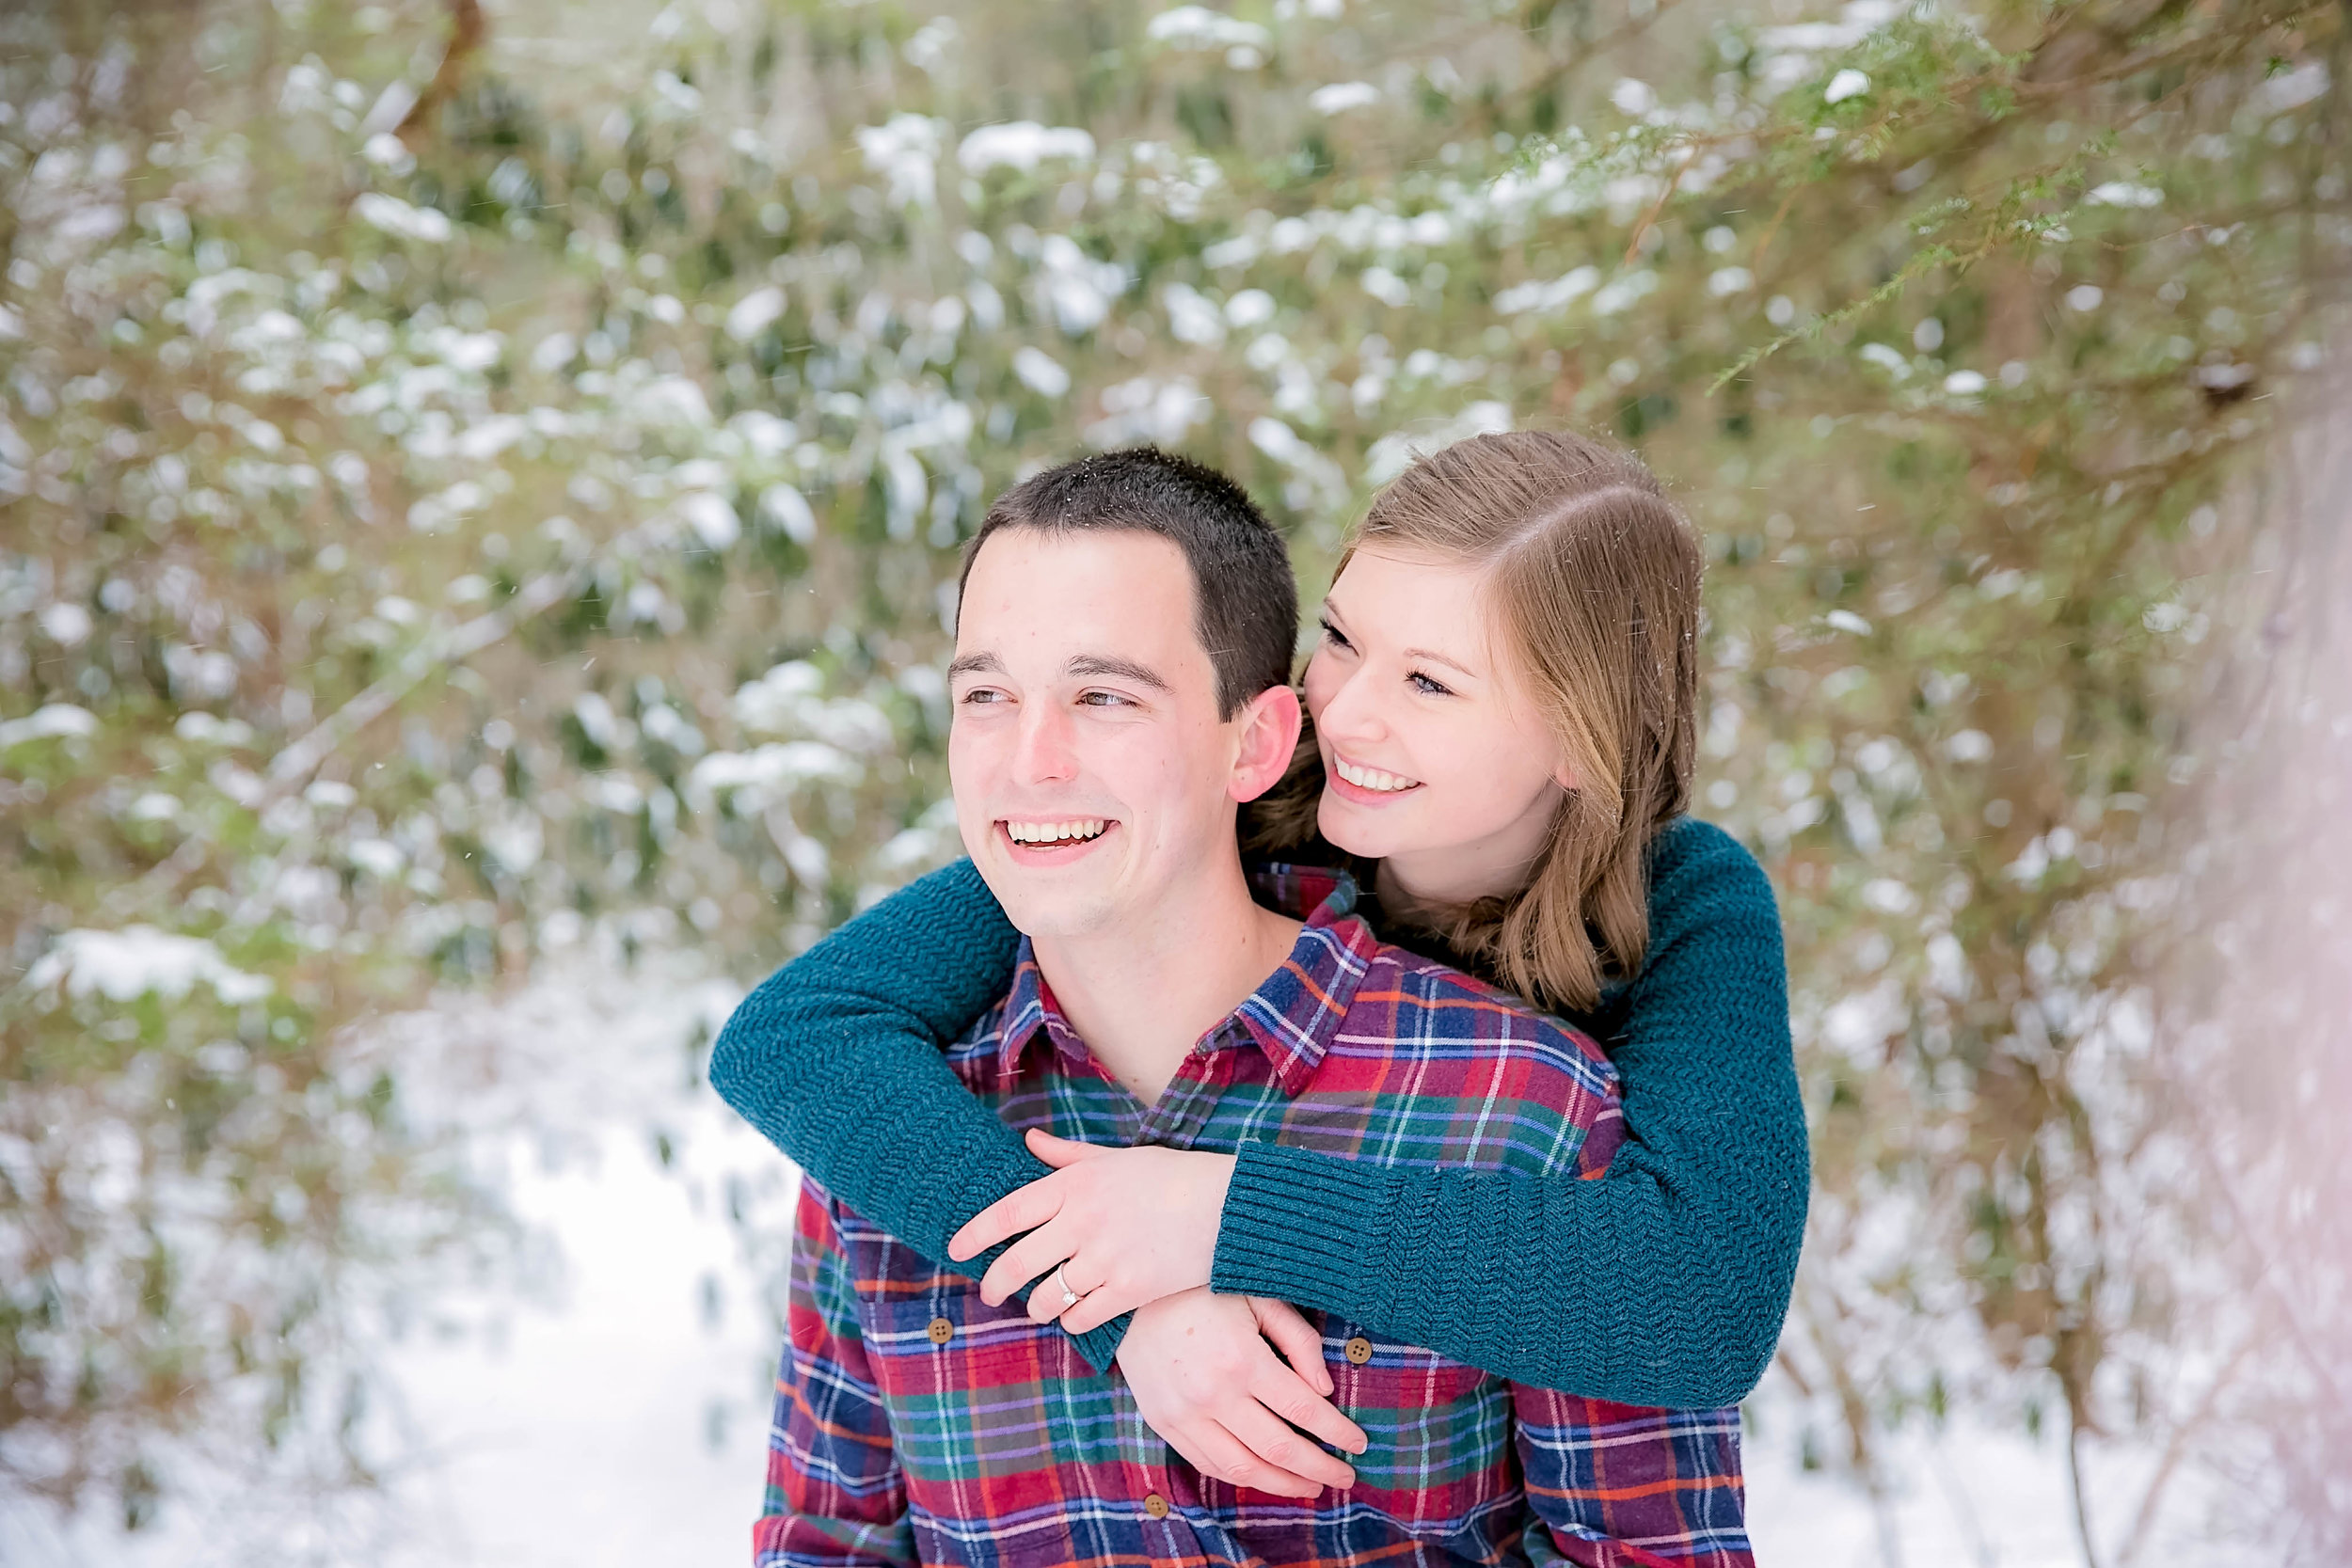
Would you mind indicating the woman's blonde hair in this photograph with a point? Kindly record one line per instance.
(1594, 577)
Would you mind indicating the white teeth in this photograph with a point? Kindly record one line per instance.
(1056, 833)
(1371, 778)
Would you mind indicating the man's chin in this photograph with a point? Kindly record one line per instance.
(1048, 901)
(1044, 914)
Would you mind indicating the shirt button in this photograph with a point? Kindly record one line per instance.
(1359, 1351)
(1156, 1505)
(940, 1331)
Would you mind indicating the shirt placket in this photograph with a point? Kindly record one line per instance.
(1183, 1108)
(1104, 1113)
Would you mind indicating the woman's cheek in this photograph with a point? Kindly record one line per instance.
(1467, 775)
(1318, 686)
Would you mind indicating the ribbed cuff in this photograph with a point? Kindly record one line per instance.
(1296, 1225)
(1100, 1344)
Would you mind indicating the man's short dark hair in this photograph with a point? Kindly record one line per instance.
(1245, 600)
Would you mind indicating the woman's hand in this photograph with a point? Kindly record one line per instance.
(1206, 1381)
(1127, 1225)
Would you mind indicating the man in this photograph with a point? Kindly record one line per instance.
(1121, 685)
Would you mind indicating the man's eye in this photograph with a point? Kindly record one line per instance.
(1428, 688)
(980, 694)
(1104, 699)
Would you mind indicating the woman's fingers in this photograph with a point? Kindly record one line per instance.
(1059, 1152)
(1009, 1216)
(1300, 1341)
(1279, 1390)
(1279, 1448)
(1096, 1305)
(1024, 1261)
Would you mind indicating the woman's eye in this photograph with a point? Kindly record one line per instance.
(1333, 636)
(1428, 688)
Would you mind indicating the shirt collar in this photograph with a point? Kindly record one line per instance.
(1289, 1017)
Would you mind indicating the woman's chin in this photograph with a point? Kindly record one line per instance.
(1342, 826)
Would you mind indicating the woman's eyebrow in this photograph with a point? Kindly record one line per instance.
(1436, 657)
(1331, 612)
(1117, 669)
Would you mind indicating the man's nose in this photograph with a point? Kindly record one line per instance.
(1046, 751)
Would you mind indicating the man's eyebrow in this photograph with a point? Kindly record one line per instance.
(1120, 668)
(976, 664)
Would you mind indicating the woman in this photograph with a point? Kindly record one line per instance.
(1502, 745)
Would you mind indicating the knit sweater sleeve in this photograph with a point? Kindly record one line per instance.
(1665, 1282)
(836, 1057)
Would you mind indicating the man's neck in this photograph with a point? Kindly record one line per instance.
(1142, 997)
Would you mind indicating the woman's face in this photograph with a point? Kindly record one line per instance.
(1436, 762)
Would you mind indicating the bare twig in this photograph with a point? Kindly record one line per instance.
(1640, 230)
(296, 763)
(466, 29)
(2144, 1522)
(2075, 1479)
(293, 766)
(1964, 1511)
(1855, 1408)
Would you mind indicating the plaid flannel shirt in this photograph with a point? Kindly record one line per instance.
(915, 1422)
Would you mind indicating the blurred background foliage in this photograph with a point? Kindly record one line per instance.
(484, 483)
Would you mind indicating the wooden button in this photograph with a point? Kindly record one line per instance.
(940, 1331)
(1156, 1505)
(1359, 1350)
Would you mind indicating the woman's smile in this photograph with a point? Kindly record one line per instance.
(1374, 783)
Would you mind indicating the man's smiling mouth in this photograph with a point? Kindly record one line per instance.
(1054, 834)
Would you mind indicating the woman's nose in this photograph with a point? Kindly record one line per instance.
(1352, 712)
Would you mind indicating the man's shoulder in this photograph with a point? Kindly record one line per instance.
(1422, 1004)
(973, 1053)
(1417, 979)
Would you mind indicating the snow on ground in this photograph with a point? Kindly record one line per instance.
(622, 1418)
(622, 1426)
(611, 1409)
(1967, 1497)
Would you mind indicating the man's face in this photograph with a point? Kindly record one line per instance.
(1091, 772)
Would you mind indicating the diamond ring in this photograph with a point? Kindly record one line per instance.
(1068, 1296)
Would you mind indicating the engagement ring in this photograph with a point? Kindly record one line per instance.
(1068, 1296)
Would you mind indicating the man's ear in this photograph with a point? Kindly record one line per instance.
(1269, 735)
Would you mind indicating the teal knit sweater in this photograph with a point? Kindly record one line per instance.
(1662, 1284)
